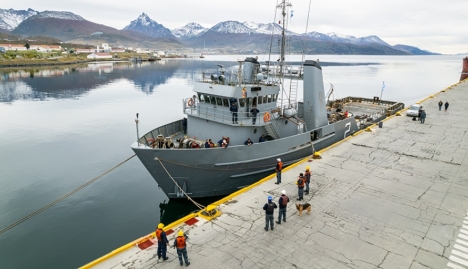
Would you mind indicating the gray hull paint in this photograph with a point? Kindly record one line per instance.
(219, 171)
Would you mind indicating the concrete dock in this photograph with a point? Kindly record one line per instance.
(395, 197)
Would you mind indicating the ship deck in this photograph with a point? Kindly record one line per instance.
(395, 197)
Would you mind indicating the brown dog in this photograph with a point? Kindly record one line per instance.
(305, 206)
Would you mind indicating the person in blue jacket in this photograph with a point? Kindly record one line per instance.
(262, 138)
(162, 242)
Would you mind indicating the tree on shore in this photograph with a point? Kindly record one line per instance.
(27, 46)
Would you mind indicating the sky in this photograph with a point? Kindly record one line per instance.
(434, 25)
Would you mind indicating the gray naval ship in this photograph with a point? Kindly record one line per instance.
(224, 108)
(182, 165)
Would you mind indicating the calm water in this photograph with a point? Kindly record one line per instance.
(61, 127)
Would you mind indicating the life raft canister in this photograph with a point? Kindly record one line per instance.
(266, 117)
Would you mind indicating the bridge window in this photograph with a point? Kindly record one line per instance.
(219, 101)
(213, 100)
(201, 97)
(269, 98)
(275, 96)
(265, 99)
(242, 102)
(207, 99)
(260, 100)
(254, 101)
(226, 102)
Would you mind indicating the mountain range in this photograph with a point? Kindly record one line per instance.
(225, 37)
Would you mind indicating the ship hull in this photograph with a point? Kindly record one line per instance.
(222, 171)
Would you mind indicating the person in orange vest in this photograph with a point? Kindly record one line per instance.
(307, 179)
(300, 186)
(181, 244)
(162, 242)
(279, 167)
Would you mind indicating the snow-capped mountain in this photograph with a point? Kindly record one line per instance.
(232, 27)
(353, 40)
(147, 26)
(10, 18)
(63, 15)
(266, 28)
(192, 29)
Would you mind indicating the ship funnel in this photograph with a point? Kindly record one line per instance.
(250, 70)
(315, 110)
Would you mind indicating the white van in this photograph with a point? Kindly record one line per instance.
(413, 111)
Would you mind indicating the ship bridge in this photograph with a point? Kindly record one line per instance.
(244, 88)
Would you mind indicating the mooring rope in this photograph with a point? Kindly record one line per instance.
(61, 198)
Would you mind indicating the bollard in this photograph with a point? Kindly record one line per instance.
(380, 124)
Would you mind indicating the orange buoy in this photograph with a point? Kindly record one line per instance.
(266, 117)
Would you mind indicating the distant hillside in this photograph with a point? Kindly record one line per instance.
(224, 37)
(72, 28)
(413, 50)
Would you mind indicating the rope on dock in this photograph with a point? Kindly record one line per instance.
(62, 198)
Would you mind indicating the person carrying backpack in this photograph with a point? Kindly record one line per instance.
(283, 204)
(269, 210)
(300, 186)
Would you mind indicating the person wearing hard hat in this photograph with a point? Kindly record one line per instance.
(307, 179)
(283, 204)
(300, 186)
(269, 210)
(279, 167)
(181, 244)
(162, 242)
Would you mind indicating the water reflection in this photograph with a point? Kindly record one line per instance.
(75, 81)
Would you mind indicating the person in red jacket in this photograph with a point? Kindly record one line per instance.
(283, 204)
(300, 186)
(181, 244)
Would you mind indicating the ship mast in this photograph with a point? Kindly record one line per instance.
(283, 6)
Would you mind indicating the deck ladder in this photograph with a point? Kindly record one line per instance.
(293, 93)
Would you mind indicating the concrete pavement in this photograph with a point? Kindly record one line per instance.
(396, 197)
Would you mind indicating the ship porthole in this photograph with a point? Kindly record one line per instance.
(255, 130)
(286, 122)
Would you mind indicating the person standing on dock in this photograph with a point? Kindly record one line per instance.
(181, 244)
(300, 186)
(162, 242)
(307, 179)
(440, 105)
(234, 110)
(283, 204)
(279, 167)
(269, 210)
(423, 116)
(446, 105)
